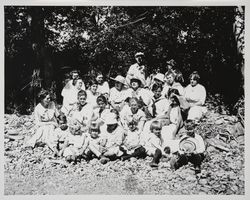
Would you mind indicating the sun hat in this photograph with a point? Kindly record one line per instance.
(137, 78)
(139, 54)
(160, 77)
(188, 144)
(119, 79)
(111, 119)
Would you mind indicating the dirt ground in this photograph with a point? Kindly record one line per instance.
(36, 172)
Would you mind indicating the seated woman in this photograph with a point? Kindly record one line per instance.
(136, 90)
(103, 86)
(195, 94)
(117, 93)
(70, 96)
(45, 120)
(92, 93)
(170, 130)
(82, 111)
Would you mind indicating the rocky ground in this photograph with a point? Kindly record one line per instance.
(37, 172)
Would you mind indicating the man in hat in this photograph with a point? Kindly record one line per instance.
(138, 69)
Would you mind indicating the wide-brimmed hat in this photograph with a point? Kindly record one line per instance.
(111, 119)
(139, 54)
(119, 79)
(188, 144)
(160, 77)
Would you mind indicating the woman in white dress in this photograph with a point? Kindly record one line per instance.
(45, 120)
(103, 86)
(118, 93)
(92, 93)
(195, 95)
(70, 96)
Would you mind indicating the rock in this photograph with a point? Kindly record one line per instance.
(241, 139)
(203, 182)
(191, 178)
(219, 121)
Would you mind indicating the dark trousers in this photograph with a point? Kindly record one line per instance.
(140, 152)
(195, 159)
(157, 156)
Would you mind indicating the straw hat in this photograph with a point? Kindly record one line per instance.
(160, 77)
(119, 79)
(142, 80)
(188, 144)
(139, 54)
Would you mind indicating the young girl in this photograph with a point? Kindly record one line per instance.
(170, 130)
(76, 143)
(154, 143)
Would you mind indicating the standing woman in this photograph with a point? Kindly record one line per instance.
(92, 93)
(45, 120)
(195, 95)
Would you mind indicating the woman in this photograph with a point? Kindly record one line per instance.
(82, 111)
(117, 93)
(92, 93)
(103, 86)
(70, 97)
(45, 120)
(195, 94)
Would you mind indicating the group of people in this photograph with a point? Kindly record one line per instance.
(140, 116)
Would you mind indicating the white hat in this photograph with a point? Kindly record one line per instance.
(119, 79)
(160, 77)
(139, 54)
(111, 119)
(188, 144)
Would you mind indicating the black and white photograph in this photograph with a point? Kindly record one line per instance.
(124, 100)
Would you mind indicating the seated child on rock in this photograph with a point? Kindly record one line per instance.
(111, 139)
(76, 143)
(191, 149)
(131, 146)
(154, 143)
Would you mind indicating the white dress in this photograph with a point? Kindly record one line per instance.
(103, 89)
(45, 119)
(91, 98)
(69, 100)
(197, 94)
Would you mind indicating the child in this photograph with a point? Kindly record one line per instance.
(76, 143)
(131, 145)
(111, 139)
(61, 133)
(191, 149)
(154, 142)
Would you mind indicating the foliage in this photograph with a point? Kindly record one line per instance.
(105, 39)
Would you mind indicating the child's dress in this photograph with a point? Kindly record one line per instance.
(151, 142)
(131, 141)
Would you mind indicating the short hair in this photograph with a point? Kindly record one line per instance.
(195, 76)
(136, 80)
(101, 98)
(81, 93)
(155, 125)
(167, 150)
(99, 73)
(42, 94)
(62, 117)
(156, 87)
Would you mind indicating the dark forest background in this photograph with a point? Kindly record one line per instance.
(44, 43)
